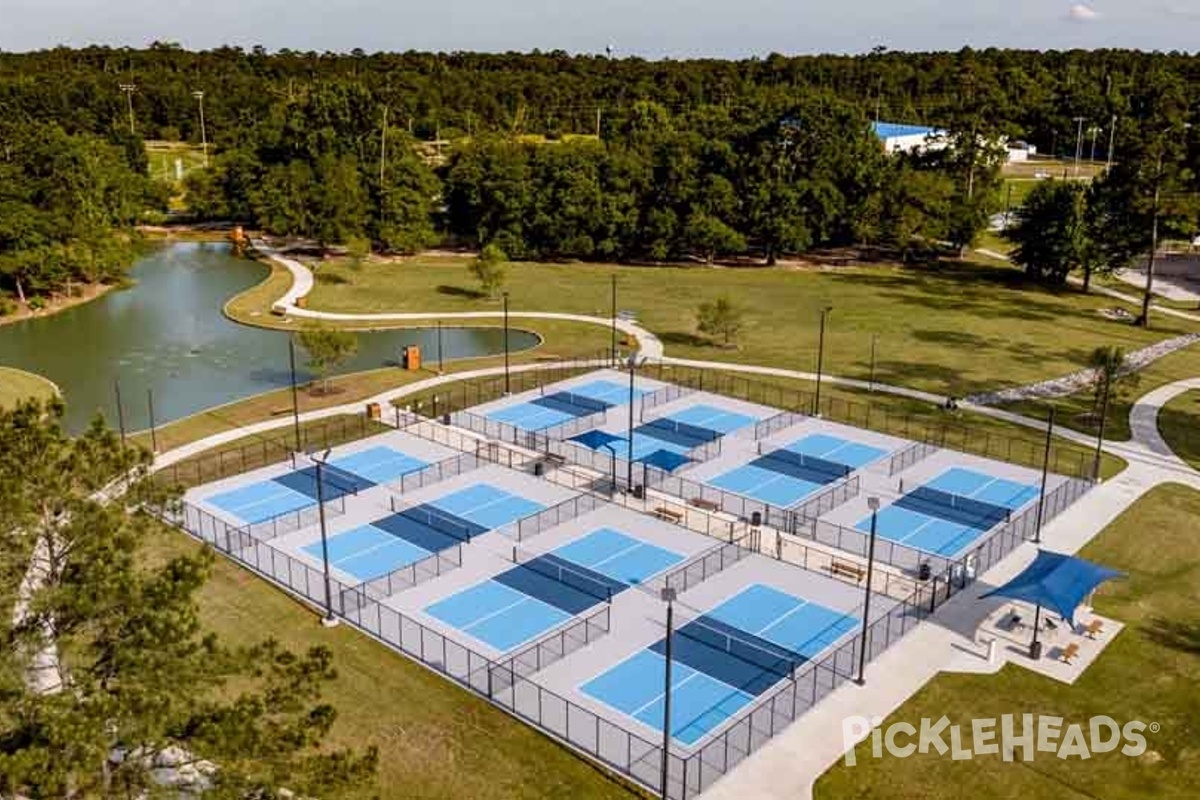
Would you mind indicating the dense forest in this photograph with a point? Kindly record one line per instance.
(549, 155)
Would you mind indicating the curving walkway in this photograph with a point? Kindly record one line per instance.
(302, 285)
(787, 767)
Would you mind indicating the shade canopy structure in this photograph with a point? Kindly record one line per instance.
(1056, 582)
(596, 439)
(666, 460)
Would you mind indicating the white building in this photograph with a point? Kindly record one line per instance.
(899, 138)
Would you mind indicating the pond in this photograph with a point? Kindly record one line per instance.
(167, 333)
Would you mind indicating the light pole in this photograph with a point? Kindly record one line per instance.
(820, 361)
(1100, 433)
(120, 410)
(1094, 131)
(441, 364)
(1078, 142)
(873, 504)
(871, 383)
(629, 437)
(129, 89)
(507, 385)
(1112, 140)
(330, 620)
(295, 394)
(668, 596)
(199, 95)
(613, 357)
(1037, 532)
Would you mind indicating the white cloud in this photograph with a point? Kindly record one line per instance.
(1081, 12)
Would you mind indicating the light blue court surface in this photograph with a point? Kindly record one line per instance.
(381, 464)
(916, 522)
(531, 598)
(618, 556)
(714, 419)
(486, 506)
(712, 678)
(539, 414)
(833, 448)
(766, 485)
(285, 494)
(259, 502)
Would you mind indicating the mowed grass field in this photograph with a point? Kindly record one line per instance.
(1179, 424)
(1148, 673)
(953, 329)
(435, 739)
(17, 385)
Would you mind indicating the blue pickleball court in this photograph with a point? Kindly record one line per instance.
(296, 490)
(785, 476)
(721, 661)
(949, 513)
(524, 602)
(556, 407)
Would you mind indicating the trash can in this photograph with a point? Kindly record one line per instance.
(445, 419)
(639, 491)
(539, 468)
(756, 519)
(374, 411)
(1035, 651)
(923, 571)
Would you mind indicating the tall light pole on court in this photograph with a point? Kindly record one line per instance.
(1078, 142)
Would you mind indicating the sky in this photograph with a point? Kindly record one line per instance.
(648, 28)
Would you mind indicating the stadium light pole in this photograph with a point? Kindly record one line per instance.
(820, 361)
(668, 596)
(441, 364)
(1037, 531)
(330, 620)
(873, 504)
(153, 427)
(129, 89)
(629, 437)
(295, 393)
(507, 385)
(874, 340)
(1100, 433)
(199, 95)
(613, 356)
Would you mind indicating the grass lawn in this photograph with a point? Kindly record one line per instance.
(17, 385)
(435, 739)
(1149, 673)
(966, 431)
(1075, 410)
(954, 328)
(1179, 424)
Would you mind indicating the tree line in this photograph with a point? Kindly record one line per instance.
(546, 155)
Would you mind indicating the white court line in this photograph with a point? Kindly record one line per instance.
(393, 539)
(781, 618)
(284, 491)
(674, 687)
(621, 552)
(524, 599)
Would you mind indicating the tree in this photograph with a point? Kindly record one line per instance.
(721, 317)
(327, 349)
(914, 208)
(489, 269)
(1051, 231)
(1112, 374)
(710, 236)
(106, 664)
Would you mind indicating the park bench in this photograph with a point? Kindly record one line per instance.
(668, 514)
(707, 505)
(1069, 652)
(1094, 628)
(847, 570)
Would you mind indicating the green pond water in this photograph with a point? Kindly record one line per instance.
(166, 333)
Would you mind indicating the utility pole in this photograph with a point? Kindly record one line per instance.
(129, 89)
(199, 95)
(1095, 131)
(1078, 142)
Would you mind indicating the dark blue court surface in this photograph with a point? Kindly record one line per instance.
(350, 474)
(557, 407)
(524, 602)
(721, 661)
(787, 475)
(949, 513)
